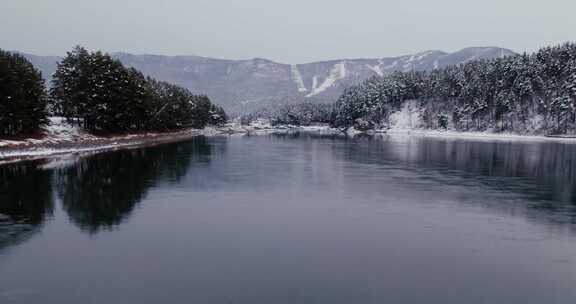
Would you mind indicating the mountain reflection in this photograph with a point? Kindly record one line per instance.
(100, 192)
(25, 202)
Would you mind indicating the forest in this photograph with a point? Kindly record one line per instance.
(99, 94)
(523, 94)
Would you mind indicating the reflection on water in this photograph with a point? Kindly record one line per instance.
(549, 167)
(294, 218)
(544, 173)
(25, 201)
(101, 191)
(97, 192)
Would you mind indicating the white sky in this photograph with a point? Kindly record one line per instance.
(290, 31)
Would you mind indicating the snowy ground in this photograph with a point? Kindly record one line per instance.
(57, 130)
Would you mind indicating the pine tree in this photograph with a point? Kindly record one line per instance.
(23, 102)
(500, 94)
(102, 95)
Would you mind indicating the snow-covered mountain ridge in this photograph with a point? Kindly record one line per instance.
(238, 84)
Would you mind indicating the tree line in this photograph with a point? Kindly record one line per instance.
(98, 93)
(527, 94)
(533, 93)
(296, 114)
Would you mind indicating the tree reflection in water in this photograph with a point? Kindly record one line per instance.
(100, 192)
(25, 201)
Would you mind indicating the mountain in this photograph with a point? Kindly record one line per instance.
(46, 64)
(247, 84)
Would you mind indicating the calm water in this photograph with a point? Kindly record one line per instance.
(294, 219)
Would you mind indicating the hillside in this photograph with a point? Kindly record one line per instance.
(247, 84)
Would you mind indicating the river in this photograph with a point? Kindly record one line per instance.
(294, 218)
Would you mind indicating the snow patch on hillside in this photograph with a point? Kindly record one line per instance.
(338, 72)
(377, 68)
(408, 118)
(423, 55)
(298, 78)
(314, 83)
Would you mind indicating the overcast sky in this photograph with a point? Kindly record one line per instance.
(290, 31)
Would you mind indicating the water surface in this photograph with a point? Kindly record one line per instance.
(294, 218)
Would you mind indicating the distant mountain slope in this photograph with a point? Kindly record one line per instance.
(238, 84)
(46, 64)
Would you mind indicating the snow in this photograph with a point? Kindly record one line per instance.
(6, 143)
(377, 68)
(338, 72)
(408, 118)
(471, 135)
(322, 128)
(51, 151)
(57, 130)
(298, 78)
(71, 137)
(61, 158)
(395, 63)
(423, 55)
(407, 122)
(314, 83)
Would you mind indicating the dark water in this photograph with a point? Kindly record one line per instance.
(294, 219)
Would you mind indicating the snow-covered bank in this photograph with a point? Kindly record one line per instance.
(405, 123)
(64, 140)
(489, 136)
(57, 130)
(60, 138)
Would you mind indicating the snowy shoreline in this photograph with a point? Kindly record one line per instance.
(446, 134)
(61, 139)
(471, 135)
(40, 150)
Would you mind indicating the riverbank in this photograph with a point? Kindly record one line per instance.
(416, 132)
(59, 137)
(471, 135)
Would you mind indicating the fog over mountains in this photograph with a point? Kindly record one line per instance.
(241, 85)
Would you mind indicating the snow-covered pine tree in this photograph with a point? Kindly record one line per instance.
(522, 93)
